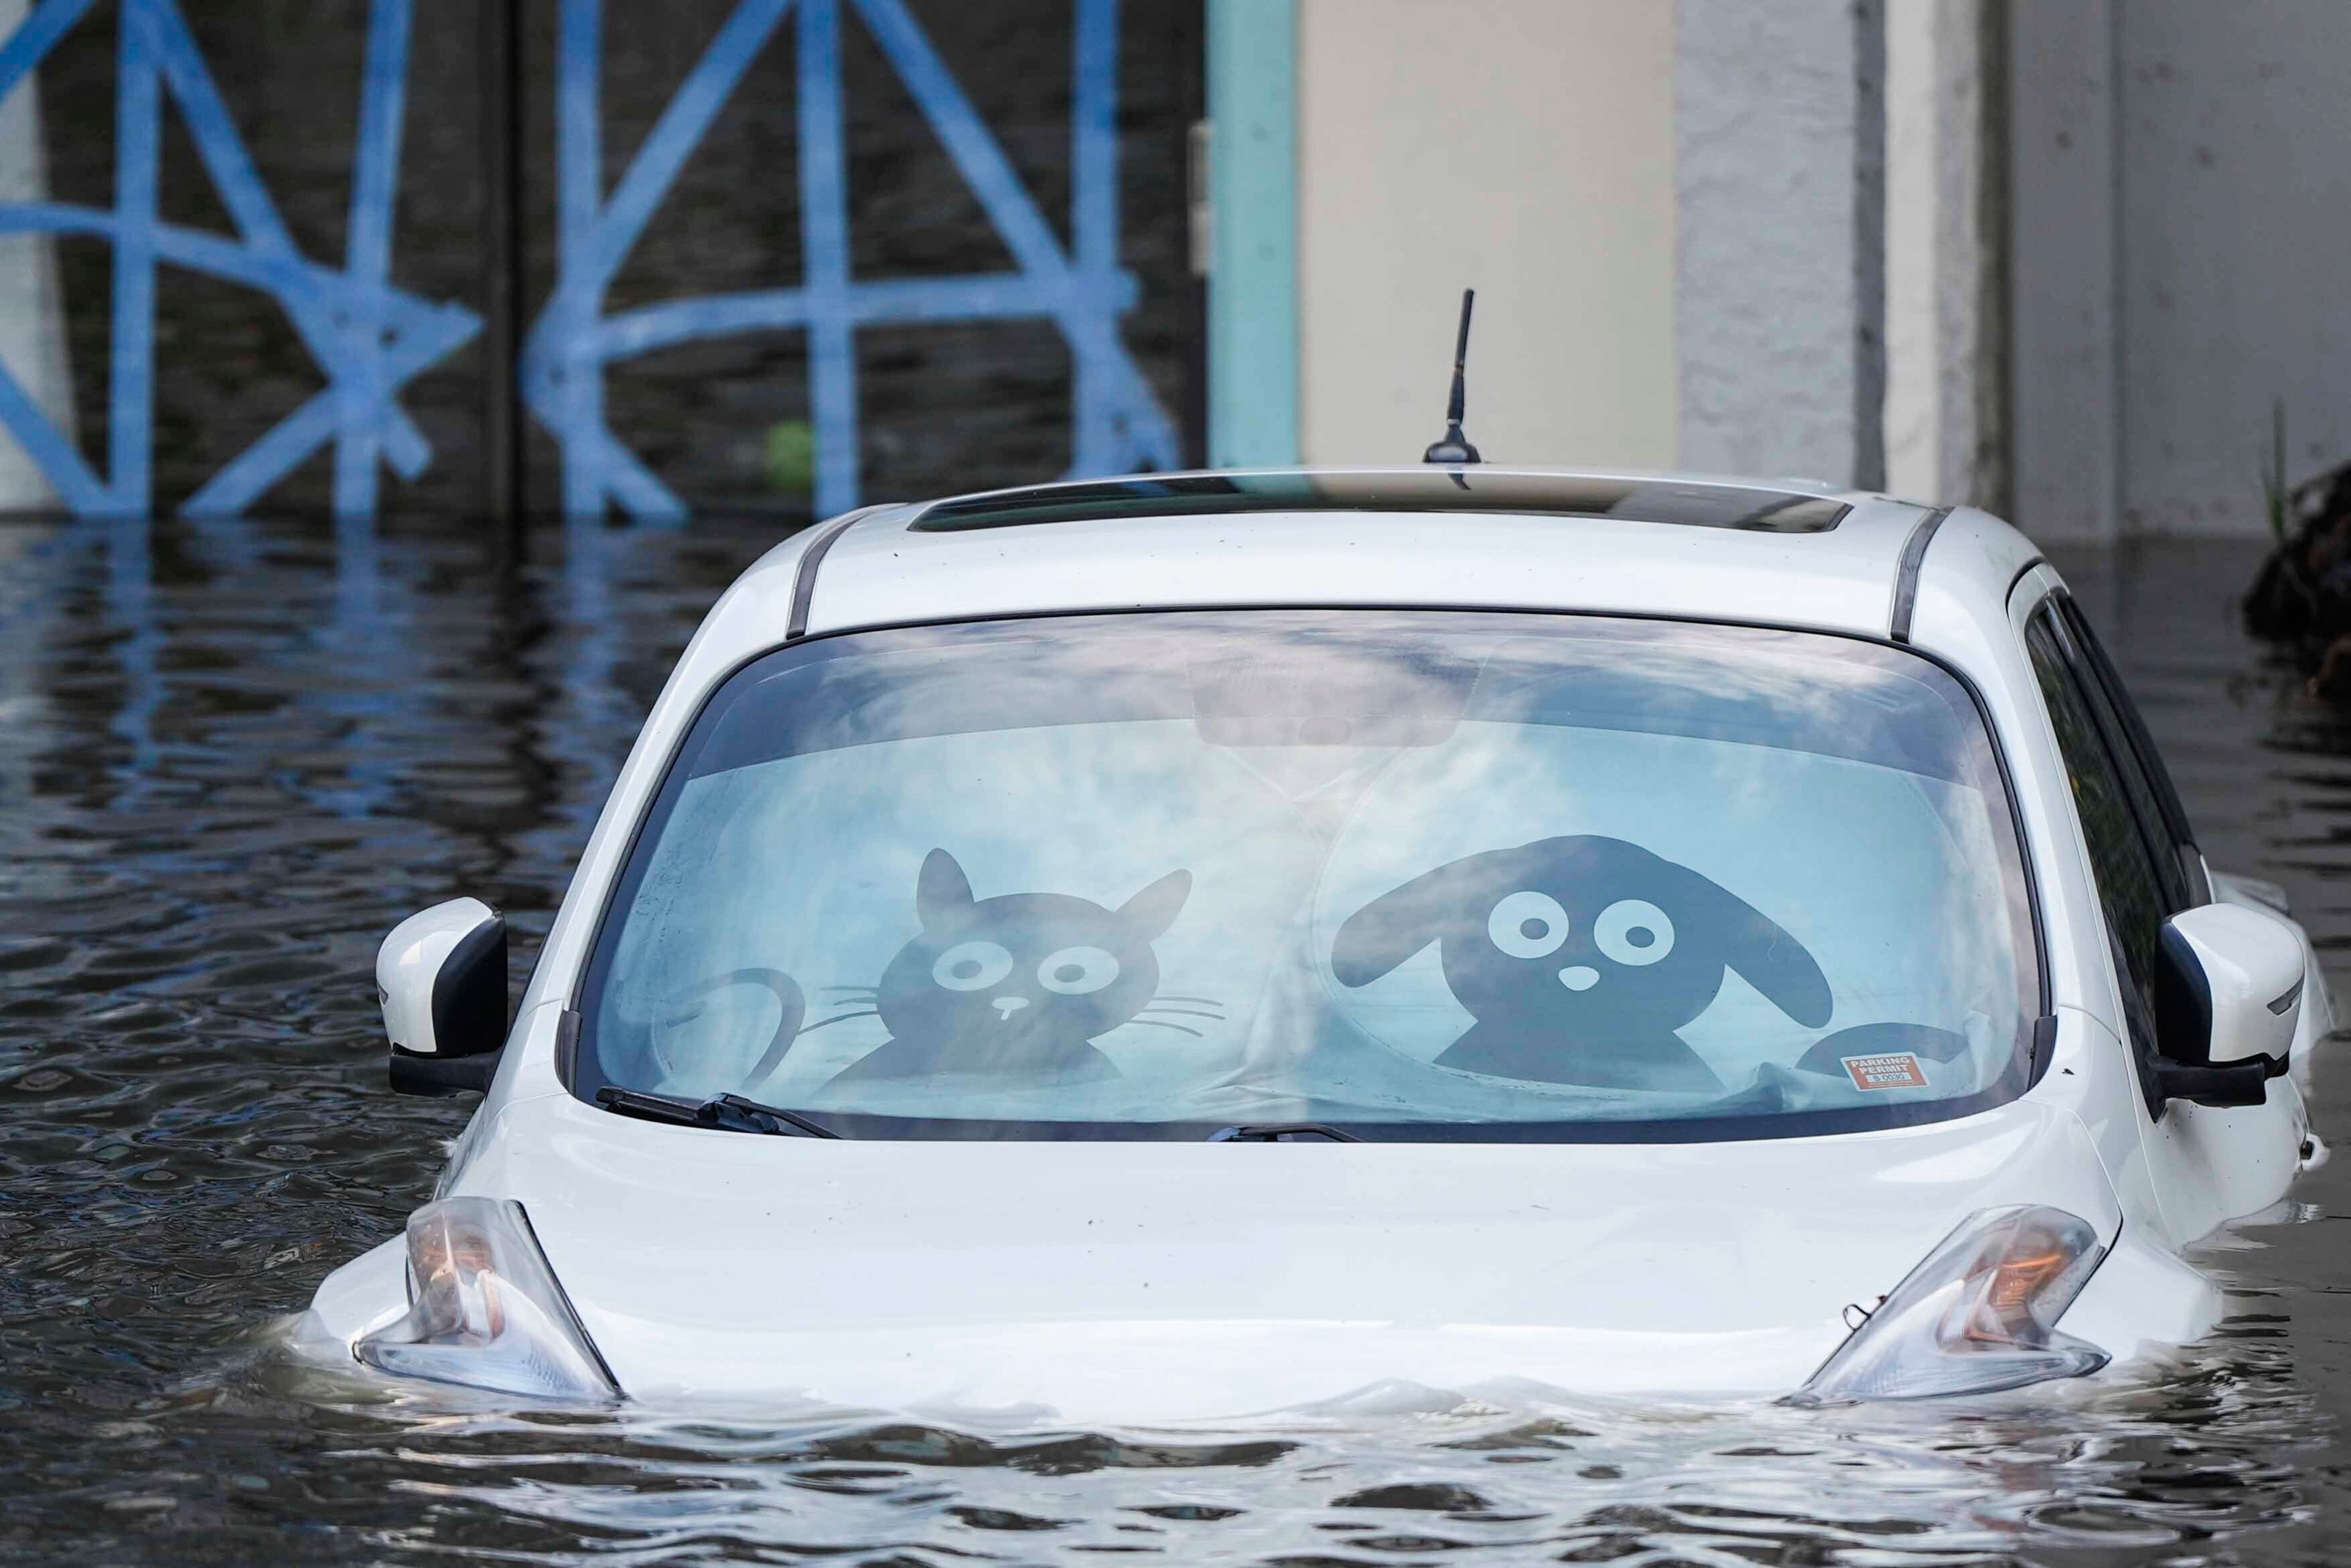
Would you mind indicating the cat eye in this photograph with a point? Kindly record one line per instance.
(1527, 925)
(1633, 931)
(971, 966)
(1074, 971)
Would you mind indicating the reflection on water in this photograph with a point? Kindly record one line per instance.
(233, 754)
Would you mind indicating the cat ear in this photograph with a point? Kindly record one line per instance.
(1769, 959)
(941, 890)
(1401, 922)
(1150, 913)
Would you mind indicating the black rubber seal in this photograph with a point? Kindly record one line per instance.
(1905, 581)
(804, 584)
(2045, 1045)
(567, 1045)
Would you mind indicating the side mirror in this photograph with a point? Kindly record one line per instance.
(442, 978)
(2228, 996)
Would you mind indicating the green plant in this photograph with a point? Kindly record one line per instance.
(791, 457)
(2275, 497)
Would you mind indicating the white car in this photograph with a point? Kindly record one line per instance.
(1184, 945)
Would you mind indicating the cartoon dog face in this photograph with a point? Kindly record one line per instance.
(1581, 946)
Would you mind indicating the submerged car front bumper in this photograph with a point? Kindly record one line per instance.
(1131, 1282)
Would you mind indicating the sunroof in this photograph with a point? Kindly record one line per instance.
(1686, 503)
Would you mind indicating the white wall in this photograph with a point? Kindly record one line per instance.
(2234, 252)
(1523, 147)
(2182, 256)
(1776, 237)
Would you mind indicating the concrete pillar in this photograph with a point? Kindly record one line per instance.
(1780, 181)
(1946, 259)
(2062, 147)
(32, 305)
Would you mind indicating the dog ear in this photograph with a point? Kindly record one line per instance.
(941, 890)
(1402, 921)
(1150, 913)
(1765, 956)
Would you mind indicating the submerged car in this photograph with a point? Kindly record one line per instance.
(1190, 945)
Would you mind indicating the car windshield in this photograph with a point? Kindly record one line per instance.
(1404, 873)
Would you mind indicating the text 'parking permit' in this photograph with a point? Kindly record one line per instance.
(1894, 1070)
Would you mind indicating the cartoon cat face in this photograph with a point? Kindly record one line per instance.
(1583, 940)
(1023, 980)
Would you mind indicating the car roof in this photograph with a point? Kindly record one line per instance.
(1773, 552)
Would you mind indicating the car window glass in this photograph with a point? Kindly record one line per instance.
(1377, 869)
(2146, 810)
(2129, 889)
(2143, 767)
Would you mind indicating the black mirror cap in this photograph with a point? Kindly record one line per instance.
(469, 994)
(2238, 1084)
(438, 1075)
(2183, 1001)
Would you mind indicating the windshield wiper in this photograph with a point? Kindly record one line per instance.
(1282, 1133)
(728, 1112)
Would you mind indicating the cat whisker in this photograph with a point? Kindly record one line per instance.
(1154, 1023)
(869, 990)
(1204, 1001)
(837, 1018)
(1182, 1013)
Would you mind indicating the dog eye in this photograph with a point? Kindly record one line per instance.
(971, 966)
(1633, 931)
(1527, 925)
(1074, 971)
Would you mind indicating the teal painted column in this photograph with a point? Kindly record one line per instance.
(1253, 233)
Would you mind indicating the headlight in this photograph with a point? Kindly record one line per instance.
(485, 1309)
(1979, 1315)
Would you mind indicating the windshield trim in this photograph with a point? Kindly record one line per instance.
(2027, 1065)
(873, 1127)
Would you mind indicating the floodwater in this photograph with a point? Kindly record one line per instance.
(233, 754)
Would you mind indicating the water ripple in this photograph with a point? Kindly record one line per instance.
(229, 761)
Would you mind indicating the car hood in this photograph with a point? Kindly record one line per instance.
(1152, 1280)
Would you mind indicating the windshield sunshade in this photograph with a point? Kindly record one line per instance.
(1397, 874)
(1411, 490)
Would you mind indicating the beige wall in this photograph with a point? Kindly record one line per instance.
(1523, 147)
(32, 307)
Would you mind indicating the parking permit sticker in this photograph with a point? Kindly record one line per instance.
(1895, 1070)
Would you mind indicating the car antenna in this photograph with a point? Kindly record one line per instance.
(1454, 449)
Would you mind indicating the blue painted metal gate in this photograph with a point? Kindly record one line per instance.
(370, 338)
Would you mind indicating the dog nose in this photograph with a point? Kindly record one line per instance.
(1577, 978)
(1007, 1005)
